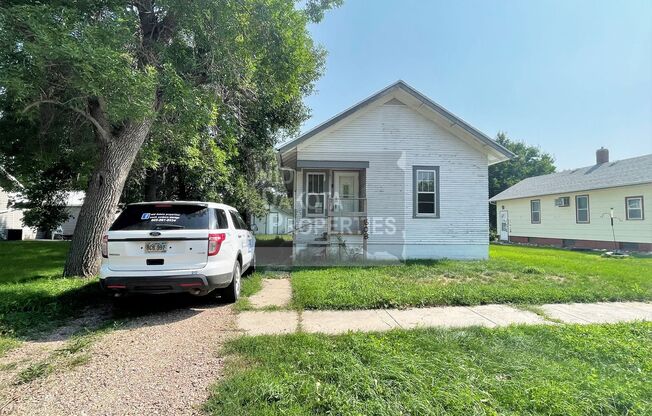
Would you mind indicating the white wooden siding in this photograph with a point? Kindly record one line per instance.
(559, 222)
(393, 138)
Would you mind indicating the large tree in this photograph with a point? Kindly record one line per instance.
(207, 71)
(528, 161)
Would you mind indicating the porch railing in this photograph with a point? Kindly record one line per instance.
(347, 215)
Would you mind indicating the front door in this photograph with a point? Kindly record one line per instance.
(504, 226)
(346, 192)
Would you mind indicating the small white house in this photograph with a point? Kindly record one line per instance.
(275, 221)
(574, 208)
(11, 220)
(394, 177)
(74, 201)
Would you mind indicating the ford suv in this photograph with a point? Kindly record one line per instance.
(171, 247)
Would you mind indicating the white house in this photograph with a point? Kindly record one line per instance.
(275, 221)
(396, 176)
(574, 208)
(74, 201)
(11, 220)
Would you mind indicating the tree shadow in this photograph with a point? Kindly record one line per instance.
(29, 312)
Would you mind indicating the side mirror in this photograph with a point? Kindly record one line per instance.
(253, 228)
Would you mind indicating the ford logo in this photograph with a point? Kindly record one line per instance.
(154, 233)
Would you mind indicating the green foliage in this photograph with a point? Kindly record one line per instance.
(552, 370)
(222, 81)
(44, 198)
(528, 161)
(512, 275)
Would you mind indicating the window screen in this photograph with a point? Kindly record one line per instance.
(582, 209)
(535, 211)
(316, 197)
(634, 207)
(426, 187)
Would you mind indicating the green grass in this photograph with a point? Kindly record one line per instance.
(273, 240)
(552, 370)
(26, 260)
(250, 285)
(33, 295)
(513, 274)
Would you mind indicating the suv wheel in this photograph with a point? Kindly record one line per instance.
(232, 292)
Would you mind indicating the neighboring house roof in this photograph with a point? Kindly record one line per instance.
(634, 171)
(455, 123)
(75, 198)
(10, 178)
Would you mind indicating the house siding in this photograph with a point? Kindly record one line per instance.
(12, 218)
(393, 139)
(559, 223)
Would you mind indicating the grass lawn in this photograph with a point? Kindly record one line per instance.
(273, 240)
(512, 275)
(33, 295)
(553, 370)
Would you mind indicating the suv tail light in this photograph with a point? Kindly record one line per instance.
(215, 242)
(105, 246)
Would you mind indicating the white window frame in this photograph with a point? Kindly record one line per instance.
(435, 192)
(629, 217)
(309, 194)
(532, 211)
(588, 210)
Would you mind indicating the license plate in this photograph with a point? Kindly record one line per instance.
(157, 247)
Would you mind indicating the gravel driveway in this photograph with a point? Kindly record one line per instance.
(161, 363)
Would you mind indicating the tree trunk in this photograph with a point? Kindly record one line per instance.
(151, 184)
(102, 197)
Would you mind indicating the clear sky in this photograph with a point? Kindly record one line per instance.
(569, 76)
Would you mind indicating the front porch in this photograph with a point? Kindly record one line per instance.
(331, 213)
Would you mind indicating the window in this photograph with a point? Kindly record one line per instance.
(426, 191)
(238, 222)
(582, 209)
(535, 211)
(634, 207)
(218, 220)
(316, 197)
(147, 217)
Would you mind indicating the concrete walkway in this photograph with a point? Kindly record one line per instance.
(337, 322)
(275, 292)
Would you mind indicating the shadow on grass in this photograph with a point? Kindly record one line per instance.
(49, 309)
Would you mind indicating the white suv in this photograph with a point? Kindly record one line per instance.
(170, 247)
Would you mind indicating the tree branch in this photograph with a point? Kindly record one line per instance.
(103, 132)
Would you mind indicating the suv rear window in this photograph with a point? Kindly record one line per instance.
(162, 217)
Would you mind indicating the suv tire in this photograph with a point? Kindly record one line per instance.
(231, 293)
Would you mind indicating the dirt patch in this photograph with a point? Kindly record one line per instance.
(159, 363)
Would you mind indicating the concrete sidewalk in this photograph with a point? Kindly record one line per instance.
(336, 322)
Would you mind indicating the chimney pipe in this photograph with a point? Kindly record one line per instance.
(601, 156)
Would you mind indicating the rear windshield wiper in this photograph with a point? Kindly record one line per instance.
(161, 226)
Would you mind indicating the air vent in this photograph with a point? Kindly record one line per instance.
(563, 201)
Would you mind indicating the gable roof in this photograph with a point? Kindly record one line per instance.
(634, 171)
(501, 152)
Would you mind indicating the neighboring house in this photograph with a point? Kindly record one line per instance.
(11, 218)
(394, 177)
(74, 201)
(275, 221)
(573, 208)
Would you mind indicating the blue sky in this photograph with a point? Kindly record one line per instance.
(569, 76)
